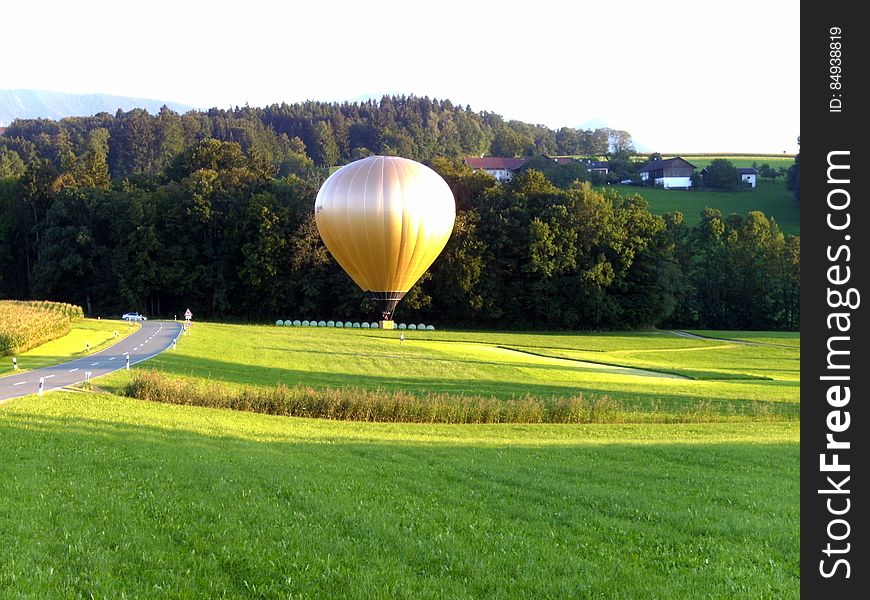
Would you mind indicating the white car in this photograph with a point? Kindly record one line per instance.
(134, 316)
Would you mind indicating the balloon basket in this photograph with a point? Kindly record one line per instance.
(387, 324)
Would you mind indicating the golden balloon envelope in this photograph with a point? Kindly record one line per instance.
(385, 219)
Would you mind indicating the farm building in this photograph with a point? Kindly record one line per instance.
(670, 173)
(502, 169)
(749, 175)
(598, 166)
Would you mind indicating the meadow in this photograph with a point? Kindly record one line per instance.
(770, 197)
(738, 160)
(645, 372)
(111, 497)
(108, 496)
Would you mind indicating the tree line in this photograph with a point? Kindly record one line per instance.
(219, 230)
(294, 138)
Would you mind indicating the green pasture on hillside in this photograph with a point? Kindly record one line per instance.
(739, 161)
(771, 198)
(650, 371)
(110, 497)
(779, 338)
(106, 496)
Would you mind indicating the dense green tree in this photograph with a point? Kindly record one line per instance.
(213, 210)
(621, 167)
(793, 178)
(509, 142)
(722, 175)
(767, 172)
(325, 148)
(11, 165)
(562, 175)
(619, 142)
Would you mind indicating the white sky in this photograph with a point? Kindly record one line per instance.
(679, 76)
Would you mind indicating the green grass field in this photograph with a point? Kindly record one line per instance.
(771, 198)
(111, 497)
(106, 496)
(739, 161)
(653, 371)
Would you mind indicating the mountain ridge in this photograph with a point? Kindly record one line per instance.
(46, 104)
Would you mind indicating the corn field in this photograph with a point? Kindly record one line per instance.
(27, 324)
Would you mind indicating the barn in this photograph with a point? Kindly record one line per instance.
(671, 173)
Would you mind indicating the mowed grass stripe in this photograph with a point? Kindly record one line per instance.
(137, 498)
(472, 363)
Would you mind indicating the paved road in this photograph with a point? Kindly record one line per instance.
(150, 340)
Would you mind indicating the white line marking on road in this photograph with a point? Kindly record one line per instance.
(94, 364)
(112, 357)
(48, 376)
(20, 383)
(76, 369)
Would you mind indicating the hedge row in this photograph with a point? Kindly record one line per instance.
(357, 404)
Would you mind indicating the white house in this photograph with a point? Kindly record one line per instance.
(671, 173)
(749, 175)
(502, 169)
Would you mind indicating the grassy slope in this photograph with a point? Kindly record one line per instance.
(493, 364)
(98, 333)
(780, 338)
(107, 497)
(741, 161)
(772, 198)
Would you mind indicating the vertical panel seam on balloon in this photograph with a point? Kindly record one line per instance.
(343, 257)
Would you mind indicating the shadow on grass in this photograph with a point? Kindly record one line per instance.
(121, 507)
(239, 374)
(585, 365)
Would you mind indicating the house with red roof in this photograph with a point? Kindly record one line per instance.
(501, 168)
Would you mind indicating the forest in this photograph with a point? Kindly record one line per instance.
(213, 210)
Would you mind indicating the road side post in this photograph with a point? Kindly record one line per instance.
(41, 386)
(128, 362)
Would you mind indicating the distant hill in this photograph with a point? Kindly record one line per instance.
(41, 104)
(594, 123)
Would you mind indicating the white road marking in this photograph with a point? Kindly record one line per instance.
(76, 369)
(94, 364)
(48, 376)
(112, 358)
(20, 383)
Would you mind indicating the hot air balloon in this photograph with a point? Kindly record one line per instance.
(385, 219)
